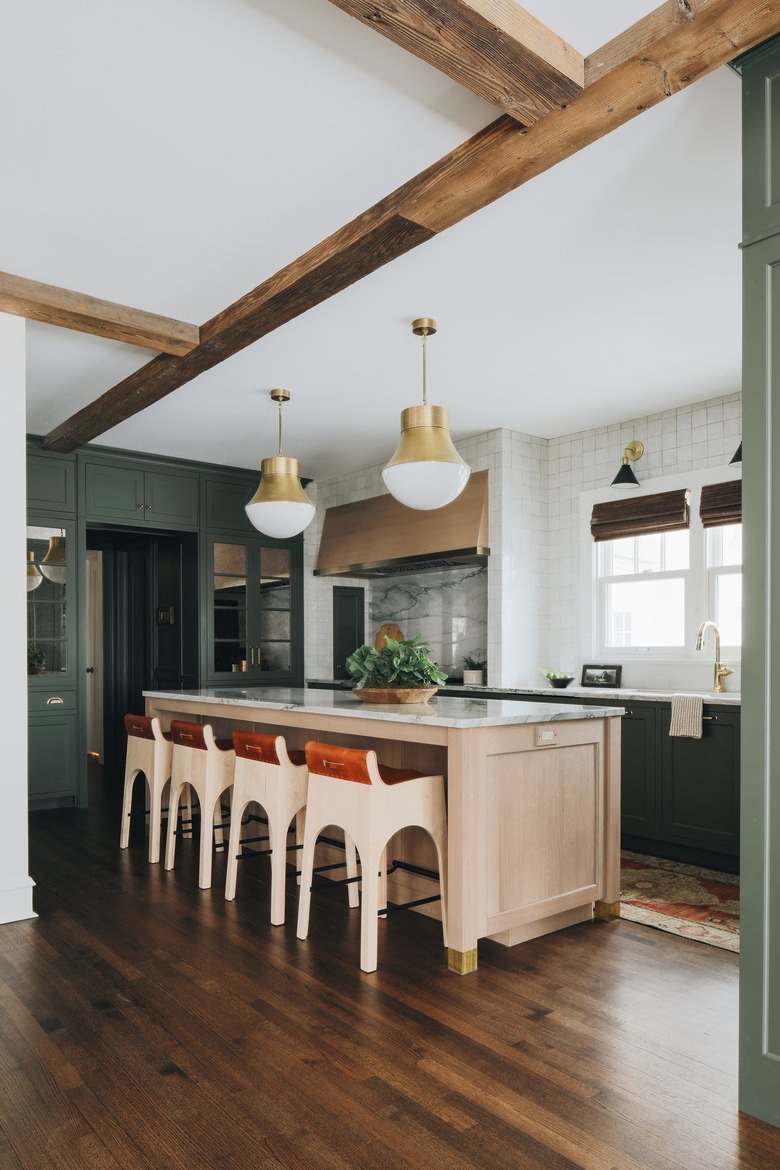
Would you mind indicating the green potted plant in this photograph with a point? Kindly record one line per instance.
(36, 660)
(401, 672)
(473, 671)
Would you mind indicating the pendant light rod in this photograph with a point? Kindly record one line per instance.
(424, 327)
(280, 396)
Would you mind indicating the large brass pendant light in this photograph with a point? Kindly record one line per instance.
(280, 506)
(53, 564)
(426, 471)
(34, 578)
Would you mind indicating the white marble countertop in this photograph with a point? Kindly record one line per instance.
(622, 694)
(442, 710)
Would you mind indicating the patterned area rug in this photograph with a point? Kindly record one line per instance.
(700, 904)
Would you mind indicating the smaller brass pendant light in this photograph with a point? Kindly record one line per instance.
(53, 564)
(280, 506)
(426, 471)
(34, 577)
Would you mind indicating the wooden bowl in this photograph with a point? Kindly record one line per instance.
(395, 694)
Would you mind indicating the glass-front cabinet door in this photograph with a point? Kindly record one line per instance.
(256, 628)
(50, 645)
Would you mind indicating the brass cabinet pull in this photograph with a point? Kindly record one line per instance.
(710, 718)
(149, 507)
(251, 655)
(54, 700)
(141, 506)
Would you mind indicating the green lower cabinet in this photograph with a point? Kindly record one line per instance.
(53, 759)
(639, 771)
(700, 783)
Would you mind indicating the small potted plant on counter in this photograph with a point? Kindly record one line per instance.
(473, 671)
(401, 672)
(36, 660)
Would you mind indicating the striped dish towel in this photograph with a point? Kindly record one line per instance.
(687, 713)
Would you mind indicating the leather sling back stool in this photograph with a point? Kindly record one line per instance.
(371, 802)
(149, 751)
(207, 765)
(267, 774)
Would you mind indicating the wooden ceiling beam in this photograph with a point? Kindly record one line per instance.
(492, 47)
(663, 56)
(72, 310)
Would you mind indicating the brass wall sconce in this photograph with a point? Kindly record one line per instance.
(625, 477)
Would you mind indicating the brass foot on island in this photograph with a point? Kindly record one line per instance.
(606, 911)
(462, 962)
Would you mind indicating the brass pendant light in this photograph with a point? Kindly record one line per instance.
(53, 564)
(34, 577)
(426, 471)
(280, 507)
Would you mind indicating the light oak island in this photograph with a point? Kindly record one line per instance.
(533, 797)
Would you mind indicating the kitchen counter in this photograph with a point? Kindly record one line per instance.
(533, 797)
(620, 694)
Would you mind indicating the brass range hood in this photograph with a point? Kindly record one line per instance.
(382, 538)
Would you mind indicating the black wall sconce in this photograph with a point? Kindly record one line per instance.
(625, 477)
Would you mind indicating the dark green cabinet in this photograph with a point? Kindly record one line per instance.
(136, 495)
(51, 483)
(224, 502)
(53, 735)
(254, 588)
(700, 783)
(53, 758)
(639, 770)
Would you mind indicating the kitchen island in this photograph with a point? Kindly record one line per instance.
(533, 797)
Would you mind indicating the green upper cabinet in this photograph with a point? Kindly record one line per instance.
(761, 143)
(136, 494)
(254, 630)
(224, 501)
(51, 483)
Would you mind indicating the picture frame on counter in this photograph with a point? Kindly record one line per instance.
(601, 676)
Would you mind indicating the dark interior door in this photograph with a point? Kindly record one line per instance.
(349, 629)
(150, 622)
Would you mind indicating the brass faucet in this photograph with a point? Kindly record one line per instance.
(721, 671)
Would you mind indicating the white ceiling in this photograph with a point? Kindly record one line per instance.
(172, 154)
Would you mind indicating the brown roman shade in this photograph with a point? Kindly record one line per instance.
(662, 512)
(721, 503)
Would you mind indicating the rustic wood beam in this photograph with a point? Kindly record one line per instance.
(492, 47)
(72, 310)
(493, 162)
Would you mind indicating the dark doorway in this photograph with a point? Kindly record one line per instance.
(150, 622)
(349, 627)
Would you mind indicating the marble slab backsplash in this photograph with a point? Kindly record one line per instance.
(449, 610)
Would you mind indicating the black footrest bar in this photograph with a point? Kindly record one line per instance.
(408, 905)
(409, 868)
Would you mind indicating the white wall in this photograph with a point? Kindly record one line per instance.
(15, 883)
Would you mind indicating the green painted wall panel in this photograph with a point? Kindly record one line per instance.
(760, 893)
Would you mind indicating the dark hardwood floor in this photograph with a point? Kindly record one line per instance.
(147, 1024)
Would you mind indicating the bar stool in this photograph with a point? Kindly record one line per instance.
(207, 765)
(371, 802)
(266, 773)
(149, 751)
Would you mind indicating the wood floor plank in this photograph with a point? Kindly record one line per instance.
(145, 1023)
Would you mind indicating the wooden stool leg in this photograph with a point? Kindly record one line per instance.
(307, 868)
(369, 924)
(277, 839)
(170, 837)
(352, 872)
(234, 845)
(127, 801)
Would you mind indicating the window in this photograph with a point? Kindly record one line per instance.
(653, 589)
(724, 581)
(642, 584)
